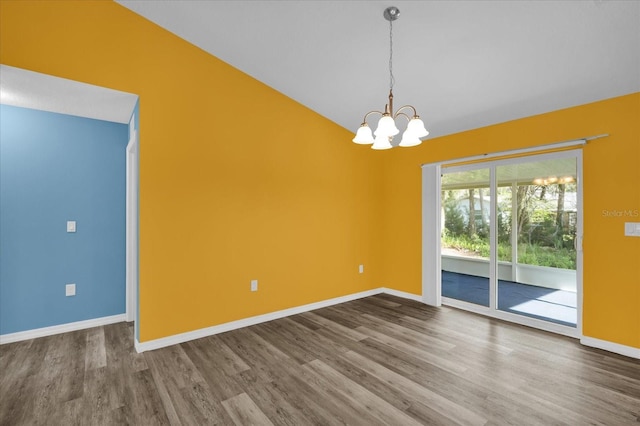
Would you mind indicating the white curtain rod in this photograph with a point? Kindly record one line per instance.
(565, 144)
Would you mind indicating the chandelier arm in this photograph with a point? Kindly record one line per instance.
(398, 113)
(415, 113)
(364, 120)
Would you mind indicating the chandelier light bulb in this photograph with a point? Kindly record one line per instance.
(382, 142)
(364, 135)
(409, 139)
(386, 127)
(416, 126)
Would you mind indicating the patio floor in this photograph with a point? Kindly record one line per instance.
(558, 306)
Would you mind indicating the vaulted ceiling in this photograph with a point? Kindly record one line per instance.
(462, 64)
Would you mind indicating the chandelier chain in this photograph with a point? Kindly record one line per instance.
(392, 79)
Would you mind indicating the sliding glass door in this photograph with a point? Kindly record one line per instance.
(537, 223)
(466, 225)
(509, 237)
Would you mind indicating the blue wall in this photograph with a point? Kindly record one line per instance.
(55, 168)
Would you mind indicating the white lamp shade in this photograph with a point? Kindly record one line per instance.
(409, 139)
(364, 136)
(416, 126)
(386, 127)
(381, 142)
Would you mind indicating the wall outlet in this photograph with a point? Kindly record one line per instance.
(71, 226)
(254, 285)
(361, 269)
(70, 290)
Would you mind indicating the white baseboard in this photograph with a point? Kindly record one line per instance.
(611, 347)
(403, 294)
(57, 329)
(233, 325)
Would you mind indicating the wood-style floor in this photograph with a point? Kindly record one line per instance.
(380, 360)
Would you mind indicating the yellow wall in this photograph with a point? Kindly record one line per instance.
(298, 213)
(237, 181)
(611, 183)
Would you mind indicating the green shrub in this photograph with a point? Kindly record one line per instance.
(530, 254)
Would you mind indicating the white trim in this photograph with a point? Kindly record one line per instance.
(185, 337)
(493, 237)
(431, 222)
(617, 348)
(132, 225)
(62, 328)
(579, 238)
(552, 327)
(510, 161)
(514, 235)
(533, 149)
(234, 325)
(403, 294)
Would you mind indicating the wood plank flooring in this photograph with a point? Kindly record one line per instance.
(375, 361)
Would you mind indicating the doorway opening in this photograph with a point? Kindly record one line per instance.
(28, 89)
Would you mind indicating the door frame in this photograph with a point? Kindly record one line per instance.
(431, 233)
(132, 166)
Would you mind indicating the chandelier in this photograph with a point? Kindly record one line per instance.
(387, 129)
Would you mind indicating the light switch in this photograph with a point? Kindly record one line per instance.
(71, 226)
(632, 229)
(70, 290)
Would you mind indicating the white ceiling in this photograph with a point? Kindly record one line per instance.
(462, 64)
(28, 89)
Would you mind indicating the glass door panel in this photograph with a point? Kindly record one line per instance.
(465, 232)
(536, 230)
